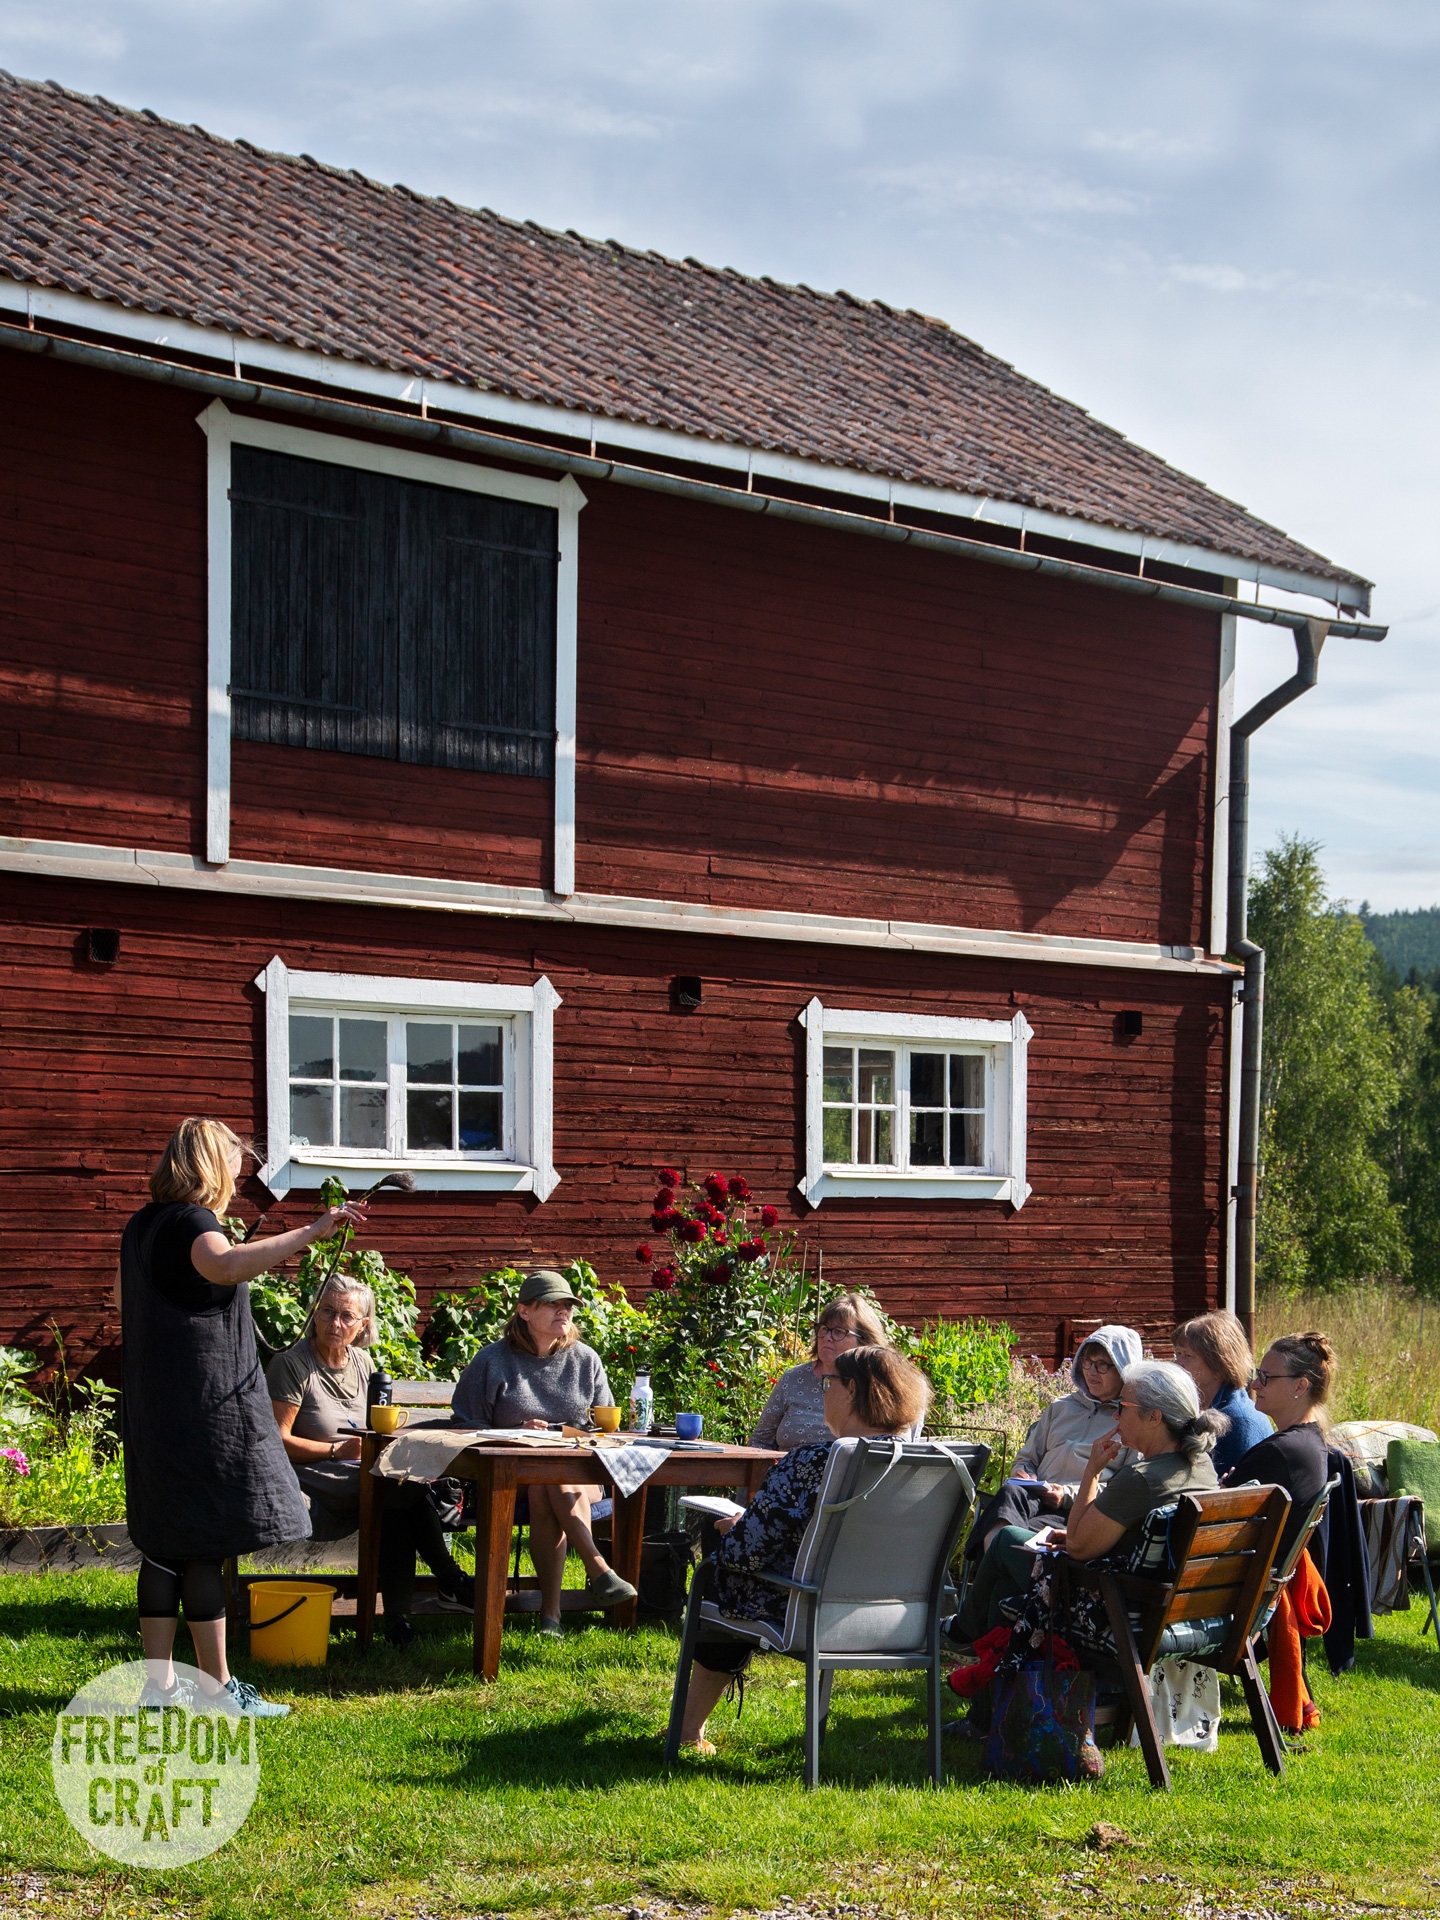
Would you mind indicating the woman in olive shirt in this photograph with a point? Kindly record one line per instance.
(1161, 1419)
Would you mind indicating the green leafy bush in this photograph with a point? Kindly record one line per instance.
(967, 1362)
(60, 1462)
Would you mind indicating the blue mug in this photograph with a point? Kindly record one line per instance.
(688, 1425)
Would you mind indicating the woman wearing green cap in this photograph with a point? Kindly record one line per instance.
(537, 1374)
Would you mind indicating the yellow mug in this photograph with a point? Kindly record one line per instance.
(607, 1419)
(388, 1419)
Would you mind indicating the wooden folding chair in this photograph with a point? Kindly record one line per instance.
(1222, 1548)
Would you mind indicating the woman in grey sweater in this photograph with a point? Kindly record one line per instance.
(536, 1374)
(794, 1415)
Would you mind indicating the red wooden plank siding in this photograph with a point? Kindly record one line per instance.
(769, 714)
(98, 1064)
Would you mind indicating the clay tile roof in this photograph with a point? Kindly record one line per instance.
(130, 208)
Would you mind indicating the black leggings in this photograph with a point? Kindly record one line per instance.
(198, 1583)
(724, 1656)
(409, 1525)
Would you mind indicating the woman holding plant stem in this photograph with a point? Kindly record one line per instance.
(206, 1477)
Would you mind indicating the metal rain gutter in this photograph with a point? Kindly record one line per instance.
(1309, 639)
(475, 442)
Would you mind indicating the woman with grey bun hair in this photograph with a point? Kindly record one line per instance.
(1161, 1419)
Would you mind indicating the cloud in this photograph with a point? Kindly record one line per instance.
(997, 186)
(1144, 143)
(72, 35)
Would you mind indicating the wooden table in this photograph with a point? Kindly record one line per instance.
(498, 1471)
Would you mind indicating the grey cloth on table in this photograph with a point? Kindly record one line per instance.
(630, 1467)
(503, 1388)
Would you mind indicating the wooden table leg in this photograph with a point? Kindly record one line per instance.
(368, 1544)
(494, 1526)
(627, 1534)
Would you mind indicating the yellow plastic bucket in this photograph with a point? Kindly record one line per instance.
(290, 1622)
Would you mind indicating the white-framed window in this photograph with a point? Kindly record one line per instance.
(913, 1106)
(451, 1080)
(297, 523)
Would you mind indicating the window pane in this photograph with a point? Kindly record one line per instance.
(877, 1075)
(312, 1047)
(837, 1136)
(310, 1117)
(481, 1122)
(839, 1062)
(967, 1080)
(428, 1052)
(479, 1058)
(927, 1080)
(927, 1139)
(362, 1050)
(362, 1116)
(967, 1140)
(428, 1122)
(876, 1130)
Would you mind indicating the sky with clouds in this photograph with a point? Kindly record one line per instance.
(1211, 222)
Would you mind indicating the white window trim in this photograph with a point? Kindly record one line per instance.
(1008, 1040)
(224, 430)
(533, 1169)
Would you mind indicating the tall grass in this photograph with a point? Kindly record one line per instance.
(1388, 1368)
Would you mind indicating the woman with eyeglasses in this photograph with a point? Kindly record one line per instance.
(1163, 1438)
(319, 1392)
(872, 1393)
(1291, 1387)
(794, 1415)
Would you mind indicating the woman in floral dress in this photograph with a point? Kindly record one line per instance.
(874, 1393)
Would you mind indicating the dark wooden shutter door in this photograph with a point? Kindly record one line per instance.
(387, 617)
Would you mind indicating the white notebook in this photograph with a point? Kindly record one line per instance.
(714, 1504)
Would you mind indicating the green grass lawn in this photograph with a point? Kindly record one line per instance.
(399, 1786)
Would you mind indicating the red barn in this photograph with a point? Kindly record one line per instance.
(529, 711)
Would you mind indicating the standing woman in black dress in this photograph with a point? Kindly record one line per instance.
(205, 1473)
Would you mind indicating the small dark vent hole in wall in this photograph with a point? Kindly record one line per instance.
(103, 945)
(686, 991)
(1129, 1023)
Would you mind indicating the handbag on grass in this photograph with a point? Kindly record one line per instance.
(1042, 1721)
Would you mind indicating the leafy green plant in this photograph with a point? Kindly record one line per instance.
(60, 1465)
(967, 1362)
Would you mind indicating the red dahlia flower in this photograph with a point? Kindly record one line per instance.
(717, 1189)
(668, 1177)
(738, 1188)
(662, 1199)
(717, 1233)
(769, 1217)
(658, 1223)
(644, 1255)
(720, 1272)
(692, 1231)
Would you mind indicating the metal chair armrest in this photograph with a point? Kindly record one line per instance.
(784, 1580)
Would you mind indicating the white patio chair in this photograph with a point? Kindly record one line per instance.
(866, 1588)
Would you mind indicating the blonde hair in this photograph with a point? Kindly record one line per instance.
(195, 1165)
(1218, 1339)
(852, 1306)
(890, 1393)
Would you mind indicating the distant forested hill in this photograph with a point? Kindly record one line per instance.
(1407, 939)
